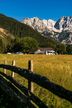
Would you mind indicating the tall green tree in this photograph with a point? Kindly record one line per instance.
(3, 45)
(60, 48)
(15, 45)
(29, 44)
(69, 49)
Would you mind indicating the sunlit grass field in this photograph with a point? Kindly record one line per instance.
(57, 68)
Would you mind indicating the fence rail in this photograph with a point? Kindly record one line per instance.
(32, 77)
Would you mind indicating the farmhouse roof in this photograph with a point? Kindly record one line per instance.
(44, 49)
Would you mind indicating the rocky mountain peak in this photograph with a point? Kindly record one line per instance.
(64, 23)
(39, 24)
(61, 30)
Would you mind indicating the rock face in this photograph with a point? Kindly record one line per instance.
(60, 30)
(64, 23)
(39, 25)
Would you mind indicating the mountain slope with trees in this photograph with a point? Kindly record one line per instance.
(16, 29)
(10, 29)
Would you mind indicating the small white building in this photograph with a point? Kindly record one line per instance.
(47, 51)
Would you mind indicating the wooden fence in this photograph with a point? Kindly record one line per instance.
(26, 95)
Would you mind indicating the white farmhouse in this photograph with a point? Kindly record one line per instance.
(47, 51)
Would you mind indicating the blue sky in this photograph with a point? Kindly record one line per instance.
(45, 9)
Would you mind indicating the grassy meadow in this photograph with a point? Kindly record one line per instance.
(57, 68)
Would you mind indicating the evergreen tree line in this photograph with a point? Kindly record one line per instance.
(30, 45)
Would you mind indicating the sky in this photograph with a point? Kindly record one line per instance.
(44, 9)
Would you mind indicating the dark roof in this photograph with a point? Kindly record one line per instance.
(44, 49)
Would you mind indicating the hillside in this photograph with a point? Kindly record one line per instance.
(11, 28)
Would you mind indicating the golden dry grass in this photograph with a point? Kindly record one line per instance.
(57, 68)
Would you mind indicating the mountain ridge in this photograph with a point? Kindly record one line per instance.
(39, 24)
(54, 29)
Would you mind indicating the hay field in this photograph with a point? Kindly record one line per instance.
(57, 68)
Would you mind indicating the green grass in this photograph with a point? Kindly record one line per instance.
(57, 68)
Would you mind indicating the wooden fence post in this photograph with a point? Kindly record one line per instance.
(5, 62)
(30, 68)
(13, 64)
